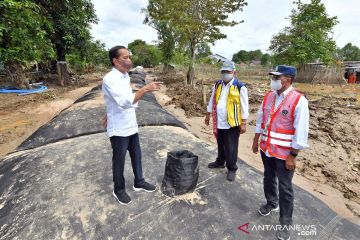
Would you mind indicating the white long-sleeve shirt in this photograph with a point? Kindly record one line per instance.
(301, 121)
(120, 110)
(222, 122)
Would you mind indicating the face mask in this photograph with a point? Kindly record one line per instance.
(227, 76)
(276, 85)
(127, 64)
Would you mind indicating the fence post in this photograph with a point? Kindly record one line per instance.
(204, 91)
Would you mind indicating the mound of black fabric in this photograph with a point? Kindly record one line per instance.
(181, 173)
(137, 76)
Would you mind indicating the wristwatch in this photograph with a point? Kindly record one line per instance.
(293, 154)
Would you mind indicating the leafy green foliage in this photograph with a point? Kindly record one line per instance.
(192, 22)
(308, 38)
(265, 59)
(203, 51)
(349, 53)
(249, 56)
(168, 38)
(241, 56)
(71, 21)
(90, 55)
(143, 54)
(181, 58)
(22, 35)
(44, 30)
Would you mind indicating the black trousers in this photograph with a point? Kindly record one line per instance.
(274, 168)
(120, 145)
(228, 142)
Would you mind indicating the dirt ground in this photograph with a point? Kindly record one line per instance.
(329, 169)
(20, 116)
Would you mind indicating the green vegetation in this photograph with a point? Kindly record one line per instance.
(308, 39)
(144, 54)
(188, 24)
(45, 30)
(249, 56)
(349, 53)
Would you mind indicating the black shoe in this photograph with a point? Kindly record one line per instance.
(231, 175)
(283, 234)
(266, 209)
(216, 165)
(122, 197)
(147, 187)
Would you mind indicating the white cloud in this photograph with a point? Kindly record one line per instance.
(121, 22)
(348, 15)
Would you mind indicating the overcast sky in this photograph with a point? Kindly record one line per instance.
(121, 22)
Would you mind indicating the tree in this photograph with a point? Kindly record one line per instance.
(255, 55)
(241, 56)
(91, 54)
(203, 51)
(96, 53)
(167, 39)
(134, 45)
(349, 53)
(167, 42)
(196, 21)
(143, 54)
(265, 59)
(71, 21)
(247, 56)
(22, 38)
(308, 38)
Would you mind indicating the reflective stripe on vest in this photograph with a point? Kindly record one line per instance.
(278, 124)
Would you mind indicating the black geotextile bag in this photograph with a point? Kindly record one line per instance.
(181, 173)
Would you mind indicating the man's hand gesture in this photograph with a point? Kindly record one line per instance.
(207, 119)
(153, 86)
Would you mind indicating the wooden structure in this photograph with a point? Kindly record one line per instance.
(320, 73)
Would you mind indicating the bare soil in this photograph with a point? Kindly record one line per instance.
(20, 116)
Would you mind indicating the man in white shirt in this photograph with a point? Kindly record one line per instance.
(229, 107)
(122, 127)
(282, 125)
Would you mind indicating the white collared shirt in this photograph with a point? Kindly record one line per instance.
(301, 121)
(222, 122)
(120, 110)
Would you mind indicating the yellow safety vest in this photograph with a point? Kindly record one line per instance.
(232, 103)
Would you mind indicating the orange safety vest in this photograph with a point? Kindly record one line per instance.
(352, 78)
(278, 124)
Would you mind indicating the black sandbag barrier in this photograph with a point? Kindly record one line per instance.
(136, 71)
(83, 118)
(137, 75)
(138, 82)
(181, 173)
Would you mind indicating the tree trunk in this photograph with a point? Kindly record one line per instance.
(191, 71)
(204, 92)
(168, 68)
(190, 74)
(61, 66)
(16, 75)
(63, 73)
